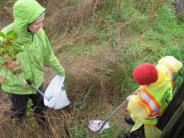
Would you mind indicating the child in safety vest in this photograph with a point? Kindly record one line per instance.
(153, 95)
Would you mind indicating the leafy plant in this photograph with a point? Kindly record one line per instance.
(8, 49)
(7, 45)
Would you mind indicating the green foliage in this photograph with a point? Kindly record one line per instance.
(165, 21)
(107, 6)
(2, 1)
(8, 49)
(149, 37)
(163, 36)
(136, 20)
(114, 16)
(72, 2)
(77, 49)
(29, 107)
(80, 131)
(102, 35)
(146, 37)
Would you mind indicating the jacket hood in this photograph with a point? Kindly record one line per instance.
(164, 77)
(25, 12)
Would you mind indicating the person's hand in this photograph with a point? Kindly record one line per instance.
(24, 83)
(2, 79)
(129, 97)
(11, 64)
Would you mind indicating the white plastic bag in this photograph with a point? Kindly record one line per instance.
(95, 125)
(56, 94)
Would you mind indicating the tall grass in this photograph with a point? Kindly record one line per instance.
(99, 54)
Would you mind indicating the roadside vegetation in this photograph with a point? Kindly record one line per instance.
(99, 42)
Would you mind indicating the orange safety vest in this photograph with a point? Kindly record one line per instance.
(150, 103)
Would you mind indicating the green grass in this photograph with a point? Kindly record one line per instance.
(81, 131)
(151, 37)
(146, 37)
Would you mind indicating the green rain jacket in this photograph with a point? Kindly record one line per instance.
(36, 52)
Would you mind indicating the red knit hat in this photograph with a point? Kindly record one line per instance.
(145, 74)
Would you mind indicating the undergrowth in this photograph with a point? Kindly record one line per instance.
(100, 53)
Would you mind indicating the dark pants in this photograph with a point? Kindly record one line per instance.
(19, 106)
(139, 133)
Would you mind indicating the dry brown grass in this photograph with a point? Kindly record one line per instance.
(5, 17)
(94, 73)
(5, 104)
(64, 19)
(60, 124)
(91, 77)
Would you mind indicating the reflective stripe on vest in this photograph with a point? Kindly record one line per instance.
(149, 102)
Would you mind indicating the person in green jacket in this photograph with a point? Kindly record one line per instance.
(36, 52)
